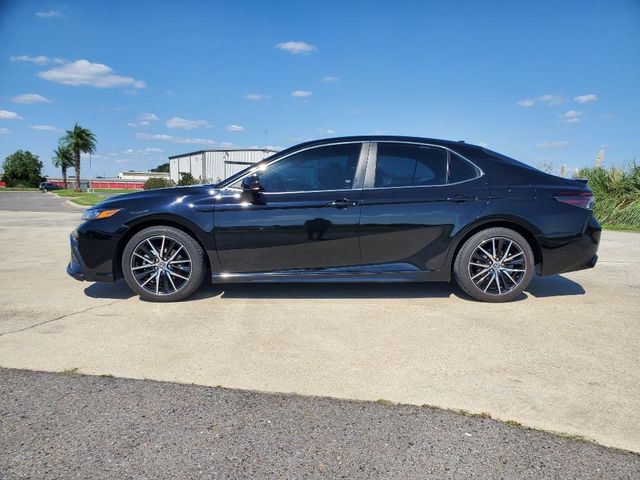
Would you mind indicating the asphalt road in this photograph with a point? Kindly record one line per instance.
(56, 426)
(34, 202)
(564, 357)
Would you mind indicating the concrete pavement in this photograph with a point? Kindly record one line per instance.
(564, 357)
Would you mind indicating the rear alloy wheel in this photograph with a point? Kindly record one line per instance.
(494, 265)
(163, 264)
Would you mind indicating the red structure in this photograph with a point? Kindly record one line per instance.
(103, 183)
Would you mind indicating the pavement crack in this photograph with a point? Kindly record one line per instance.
(59, 318)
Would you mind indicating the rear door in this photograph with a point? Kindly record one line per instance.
(416, 198)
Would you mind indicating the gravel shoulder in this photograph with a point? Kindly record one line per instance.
(72, 426)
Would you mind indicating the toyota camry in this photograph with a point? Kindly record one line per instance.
(352, 209)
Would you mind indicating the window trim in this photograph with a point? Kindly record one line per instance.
(358, 180)
(373, 162)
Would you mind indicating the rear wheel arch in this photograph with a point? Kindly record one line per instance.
(153, 222)
(515, 225)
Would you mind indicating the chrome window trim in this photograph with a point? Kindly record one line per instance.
(370, 179)
(358, 180)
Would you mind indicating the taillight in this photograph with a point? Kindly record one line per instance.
(579, 199)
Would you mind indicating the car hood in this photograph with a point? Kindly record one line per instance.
(160, 193)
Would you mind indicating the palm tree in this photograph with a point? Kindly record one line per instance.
(63, 159)
(80, 140)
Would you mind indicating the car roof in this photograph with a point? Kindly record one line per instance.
(383, 138)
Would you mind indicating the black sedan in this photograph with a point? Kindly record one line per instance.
(48, 186)
(353, 209)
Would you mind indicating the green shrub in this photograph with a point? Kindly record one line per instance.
(617, 192)
(187, 179)
(154, 183)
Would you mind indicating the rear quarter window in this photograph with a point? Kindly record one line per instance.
(460, 169)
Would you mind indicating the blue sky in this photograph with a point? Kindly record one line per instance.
(542, 81)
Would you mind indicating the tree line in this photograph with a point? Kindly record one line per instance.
(24, 169)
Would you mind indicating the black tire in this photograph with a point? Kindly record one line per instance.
(484, 284)
(172, 280)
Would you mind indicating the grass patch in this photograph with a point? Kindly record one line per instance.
(70, 372)
(617, 192)
(81, 198)
(382, 401)
(621, 228)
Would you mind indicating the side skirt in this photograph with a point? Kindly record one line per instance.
(306, 276)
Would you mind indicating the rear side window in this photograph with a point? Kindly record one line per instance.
(460, 170)
(401, 165)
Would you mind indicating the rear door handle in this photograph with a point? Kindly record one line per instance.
(459, 198)
(342, 203)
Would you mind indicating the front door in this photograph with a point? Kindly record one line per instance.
(305, 216)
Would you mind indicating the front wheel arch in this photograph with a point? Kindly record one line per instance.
(146, 223)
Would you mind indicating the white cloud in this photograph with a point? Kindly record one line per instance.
(148, 117)
(45, 128)
(329, 79)
(226, 144)
(4, 131)
(30, 98)
(572, 116)
(7, 115)
(234, 128)
(144, 119)
(547, 99)
(186, 124)
(152, 150)
(169, 92)
(38, 60)
(553, 144)
(171, 138)
(85, 73)
(300, 93)
(586, 98)
(49, 14)
(327, 131)
(527, 102)
(297, 48)
(255, 96)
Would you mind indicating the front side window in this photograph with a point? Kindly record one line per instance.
(324, 168)
(401, 165)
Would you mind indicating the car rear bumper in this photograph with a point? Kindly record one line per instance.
(568, 254)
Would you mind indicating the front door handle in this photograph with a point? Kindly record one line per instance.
(459, 198)
(342, 203)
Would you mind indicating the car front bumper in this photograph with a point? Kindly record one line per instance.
(78, 269)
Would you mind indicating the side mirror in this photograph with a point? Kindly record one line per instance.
(251, 183)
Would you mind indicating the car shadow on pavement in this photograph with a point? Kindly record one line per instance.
(119, 290)
(329, 290)
(554, 286)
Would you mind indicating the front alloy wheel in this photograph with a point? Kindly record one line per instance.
(494, 265)
(163, 264)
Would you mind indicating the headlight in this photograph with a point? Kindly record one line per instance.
(99, 213)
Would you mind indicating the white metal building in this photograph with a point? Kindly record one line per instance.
(215, 165)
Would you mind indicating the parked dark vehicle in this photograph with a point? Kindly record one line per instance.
(353, 209)
(48, 186)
